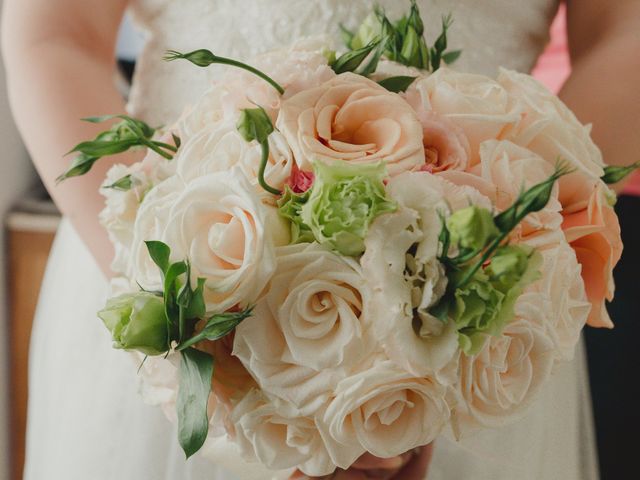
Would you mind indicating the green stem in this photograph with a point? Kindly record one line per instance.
(263, 167)
(249, 68)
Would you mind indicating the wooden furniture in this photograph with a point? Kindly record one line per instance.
(29, 236)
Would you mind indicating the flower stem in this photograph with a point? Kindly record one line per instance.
(263, 167)
(249, 68)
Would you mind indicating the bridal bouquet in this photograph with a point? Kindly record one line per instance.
(332, 254)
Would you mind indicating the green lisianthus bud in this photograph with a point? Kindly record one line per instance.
(344, 200)
(368, 31)
(472, 228)
(137, 322)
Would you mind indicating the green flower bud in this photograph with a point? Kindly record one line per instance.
(472, 228)
(137, 322)
(368, 31)
(344, 200)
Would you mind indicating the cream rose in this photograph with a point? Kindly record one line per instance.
(314, 313)
(219, 224)
(558, 302)
(497, 385)
(446, 147)
(265, 432)
(511, 170)
(354, 119)
(220, 148)
(404, 282)
(384, 411)
(477, 104)
(550, 129)
(150, 224)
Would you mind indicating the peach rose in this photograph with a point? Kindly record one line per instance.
(557, 302)
(499, 383)
(384, 411)
(313, 315)
(475, 103)
(512, 169)
(354, 119)
(219, 223)
(219, 148)
(550, 129)
(446, 147)
(594, 234)
(266, 432)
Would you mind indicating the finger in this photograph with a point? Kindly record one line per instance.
(418, 467)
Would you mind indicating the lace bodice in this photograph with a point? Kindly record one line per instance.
(492, 33)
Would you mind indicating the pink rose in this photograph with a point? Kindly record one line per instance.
(594, 234)
(353, 119)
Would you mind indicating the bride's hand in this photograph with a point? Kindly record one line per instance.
(410, 466)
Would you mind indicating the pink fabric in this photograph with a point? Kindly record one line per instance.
(554, 67)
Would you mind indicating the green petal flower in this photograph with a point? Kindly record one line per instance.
(485, 304)
(344, 200)
(289, 207)
(137, 322)
(472, 228)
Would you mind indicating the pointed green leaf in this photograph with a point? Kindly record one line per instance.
(217, 327)
(159, 253)
(397, 84)
(80, 165)
(451, 57)
(196, 372)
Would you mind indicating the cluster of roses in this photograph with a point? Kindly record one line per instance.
(356, 341)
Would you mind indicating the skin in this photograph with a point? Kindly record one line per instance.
(59, 56)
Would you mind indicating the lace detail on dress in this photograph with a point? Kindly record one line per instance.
(492, 33)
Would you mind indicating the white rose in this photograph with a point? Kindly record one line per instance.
(149, 225)
(560, 295)
(404, 282)
(498, 384)
(477, 104)
(314, 316)
(550, 129)
(266, 433)
(384, 411)
(511, 170)
(121, 205)
(220, 225)
(222, 147)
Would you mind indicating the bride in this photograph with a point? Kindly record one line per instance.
(86, 419)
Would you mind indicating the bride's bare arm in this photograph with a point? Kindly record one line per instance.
(604, 87)
(60, 66)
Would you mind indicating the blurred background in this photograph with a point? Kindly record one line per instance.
(30, 221)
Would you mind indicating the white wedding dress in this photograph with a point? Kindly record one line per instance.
(86, 419)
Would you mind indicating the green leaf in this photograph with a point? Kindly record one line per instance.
(372, 64)
(217, 327)
(159, 253)
(397, 84)
(350, 61)
(614, 174)
(451, 57)
(196, 372)
(98, 148)
(176, 140)
(255, 124)
(123, 184)
(80, 165)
